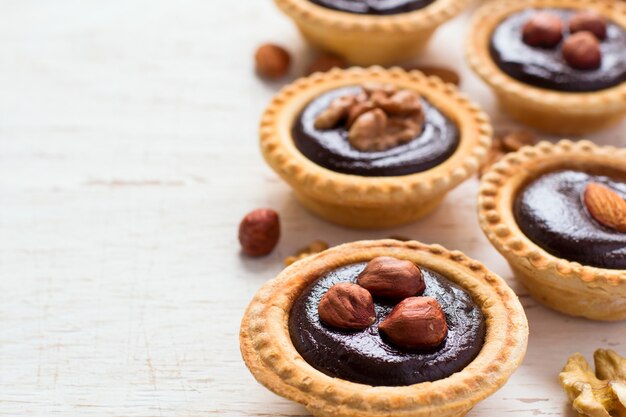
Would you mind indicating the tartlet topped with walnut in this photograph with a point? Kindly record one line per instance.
(373, 147)
(384, 328)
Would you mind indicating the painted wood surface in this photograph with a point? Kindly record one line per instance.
(128, 155)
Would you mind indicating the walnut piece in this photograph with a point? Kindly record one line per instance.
(602, 394)
(378, 118)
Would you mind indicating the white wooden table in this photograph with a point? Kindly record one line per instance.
(128, 155)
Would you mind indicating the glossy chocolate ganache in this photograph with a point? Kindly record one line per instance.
(374, 7)
(552, 213)
(330, 148)
(546, 67)
(365, 356)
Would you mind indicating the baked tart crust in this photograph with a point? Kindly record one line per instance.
(553, 111)
(370, 202)
(370, 39)
(566, 286)
(271, 357)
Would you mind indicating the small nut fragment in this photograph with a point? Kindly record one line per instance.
(259, 232)
(514, 141)
(543, 29)
(272, 61)
(590, 21)
(606, 206)
(400, 238)
(446, 74)
(314, 247)
(325, 63)
(505, 143)
(347, 306)
(389, 277)
(416, 322)
(602, 394)
(582, 51)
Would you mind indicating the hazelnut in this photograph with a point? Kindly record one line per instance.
(582, 51)
(416, 322)
(272, 61)
(543, 30)
(389, 277)
(325, 63)
(347, 306)
(259, 232)
(589, 21)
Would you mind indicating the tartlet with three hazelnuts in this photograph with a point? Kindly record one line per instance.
(385, 327)
(557, 65)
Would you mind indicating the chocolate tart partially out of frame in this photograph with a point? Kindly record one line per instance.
(553, 111)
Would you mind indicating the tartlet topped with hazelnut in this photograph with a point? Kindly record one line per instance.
(372, 147)
(558, 65)
(386, 327)
(557, 213)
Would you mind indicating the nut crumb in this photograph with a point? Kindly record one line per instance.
(446, 74)
(314, 247)
(505, 143)
(325, 63)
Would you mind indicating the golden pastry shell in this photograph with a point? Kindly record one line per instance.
(270, 355)
(503, 181)
(479, 58)
(323, 184)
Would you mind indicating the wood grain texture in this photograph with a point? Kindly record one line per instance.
(128, 155)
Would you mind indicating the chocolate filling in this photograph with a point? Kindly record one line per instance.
(551, 212)
(366, 357)
(375, 7)
(331, 148)
(546, 68)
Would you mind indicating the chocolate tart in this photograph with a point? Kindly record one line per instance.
(551, 110)
(269, 352)
(537, 257)
(372, 201)
(370, 39)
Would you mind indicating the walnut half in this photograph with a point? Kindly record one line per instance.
(599, 394)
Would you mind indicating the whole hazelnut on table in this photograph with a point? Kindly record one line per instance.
(589, 21)
(582, 51)
(543, 29)
(416, 322)
(347, 306)
(259, 232)
(272, 61)
(393, 278)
